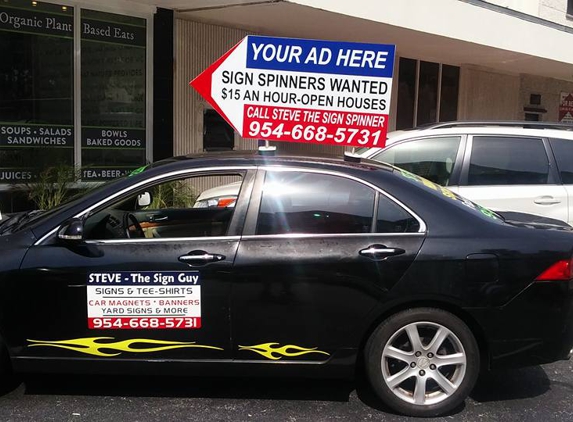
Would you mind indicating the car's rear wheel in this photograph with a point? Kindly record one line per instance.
(422, 361)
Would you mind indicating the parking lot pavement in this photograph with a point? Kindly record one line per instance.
(541, 393)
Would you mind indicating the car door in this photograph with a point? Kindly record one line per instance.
(163, 295)
(313, 264)
(513, 173)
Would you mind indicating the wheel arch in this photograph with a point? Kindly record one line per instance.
(476, 329)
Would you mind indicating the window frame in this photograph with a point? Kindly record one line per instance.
(249, 231)
(554, 161)
(553, 176)
(458, 162)
(235, 225)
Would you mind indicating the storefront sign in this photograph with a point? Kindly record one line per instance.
(566, 108)
(17, 135)
(299, 90)
(15, 175)
(36, 22)
(113, 32)
(105, 173)
(113, 138)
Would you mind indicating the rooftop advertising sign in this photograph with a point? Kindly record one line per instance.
(297, 90)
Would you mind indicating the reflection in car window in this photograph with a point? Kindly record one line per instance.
(508, 161)
(447, 194)
(314, 203)
(563, 151)
(431, 158)
(192, 207)
(392, 218)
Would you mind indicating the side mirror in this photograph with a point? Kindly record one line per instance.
(72, 231)
(143, 200)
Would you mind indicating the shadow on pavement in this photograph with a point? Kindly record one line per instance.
(369, 398)
(495, 386)
(213, 387)
(511, 384)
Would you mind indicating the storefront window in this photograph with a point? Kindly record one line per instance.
(113, 93)
(427, 93)
(36, 88)
(69, 103)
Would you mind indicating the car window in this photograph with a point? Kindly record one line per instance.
(447, 195)
(190, 207)
(508, 161)
(563, 151)
(298, 202)
(431, 158)
(392, 218)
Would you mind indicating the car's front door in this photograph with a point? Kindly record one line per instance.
(161, 294)
(313, 264)
(436, 158)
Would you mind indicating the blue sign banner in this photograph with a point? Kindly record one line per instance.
(316, 56)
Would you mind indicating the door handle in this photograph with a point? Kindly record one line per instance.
(546, 200)
(380, 252)
(196, 258)
(158, 217)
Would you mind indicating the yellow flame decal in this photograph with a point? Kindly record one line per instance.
(94, 345)
(268, 350)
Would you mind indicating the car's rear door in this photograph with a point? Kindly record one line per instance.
(513, 173)
(313, 264)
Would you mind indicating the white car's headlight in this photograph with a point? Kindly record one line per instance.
(222, 202)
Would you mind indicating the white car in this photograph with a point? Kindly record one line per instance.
(223, 196)
(505, 166)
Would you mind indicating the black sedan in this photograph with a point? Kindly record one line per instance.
(319, 267)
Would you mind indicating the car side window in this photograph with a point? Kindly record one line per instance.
(497, 160)
(190, 207)
(299, 202)
(563, 151)
(431, 158)
(392, 218)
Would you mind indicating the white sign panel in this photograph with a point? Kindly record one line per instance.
(298, 90)
(144, 300)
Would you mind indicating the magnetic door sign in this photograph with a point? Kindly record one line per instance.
(144, 300)
(297, 90)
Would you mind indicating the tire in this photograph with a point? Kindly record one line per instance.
(419, 381)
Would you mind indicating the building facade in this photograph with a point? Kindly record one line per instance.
(103, 86)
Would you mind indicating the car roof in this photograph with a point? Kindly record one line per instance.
(248, 157)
